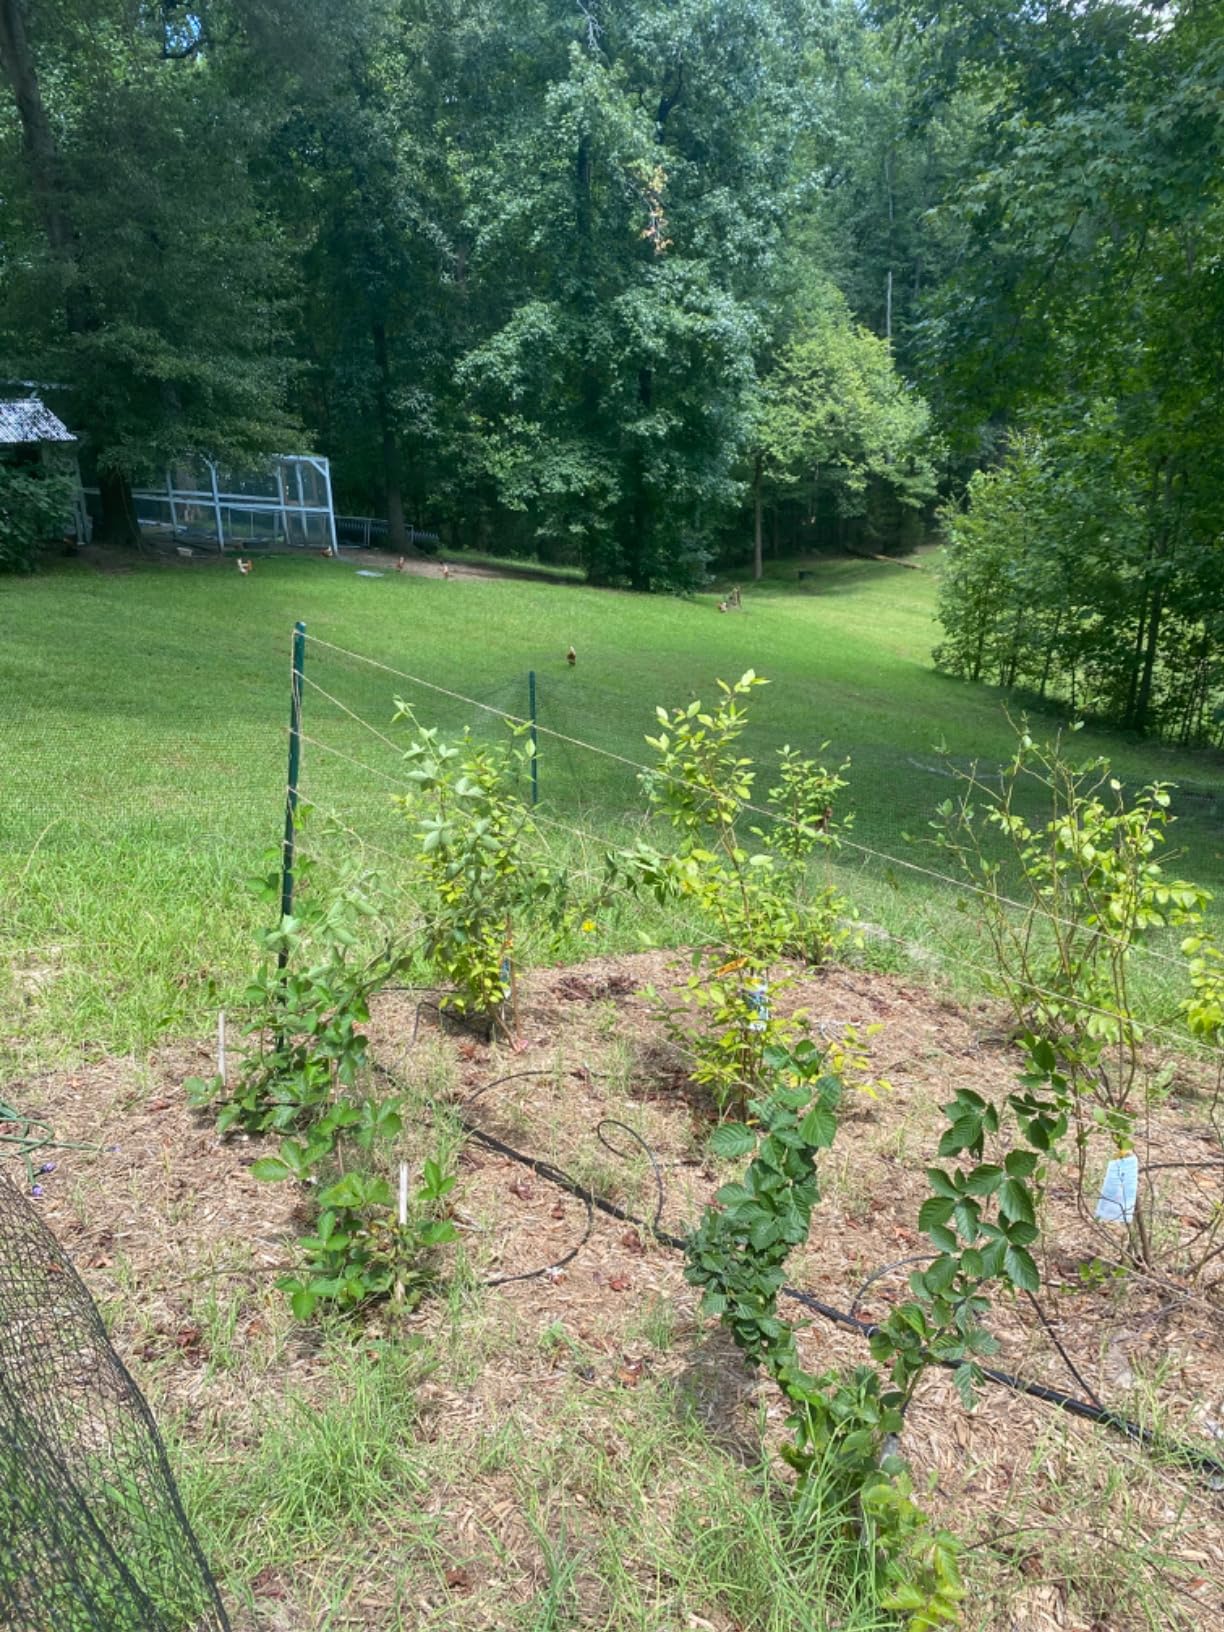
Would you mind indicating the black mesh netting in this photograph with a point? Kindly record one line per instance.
(93, 1537)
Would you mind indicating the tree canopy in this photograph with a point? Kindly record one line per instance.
(642, 284)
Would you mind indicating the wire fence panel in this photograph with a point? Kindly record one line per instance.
(124, 872)
(93, 1537)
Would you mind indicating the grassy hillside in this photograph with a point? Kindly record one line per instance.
(143, 743)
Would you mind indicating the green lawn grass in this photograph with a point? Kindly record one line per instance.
(143, 736)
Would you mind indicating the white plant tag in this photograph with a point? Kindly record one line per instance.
(758, 998)
(1120, 1191)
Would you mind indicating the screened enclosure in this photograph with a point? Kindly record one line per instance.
(286, 503)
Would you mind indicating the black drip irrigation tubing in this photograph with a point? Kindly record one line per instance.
(1187, 1456)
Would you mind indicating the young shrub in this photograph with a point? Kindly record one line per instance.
(361, 1252)
(479, 868)
(758, 904)
(1088, 891)
(1203, 1011)
(34, 507)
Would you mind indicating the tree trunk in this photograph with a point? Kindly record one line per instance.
(397, 537)
(37, 140)
(758, 564)
(118, 525)
(638, 551)
(42, 159)
(892, 216)
(1049, 653)
(1151, 645)
(1143, 700)
(1132, 690)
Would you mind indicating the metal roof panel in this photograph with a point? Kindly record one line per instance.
(28, 419)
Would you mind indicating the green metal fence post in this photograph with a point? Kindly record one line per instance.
(298, 664)
(535, 740)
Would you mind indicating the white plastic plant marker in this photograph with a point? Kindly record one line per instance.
(758, 998)
(1120, 1191)
(403, 1194)
(221, 1045)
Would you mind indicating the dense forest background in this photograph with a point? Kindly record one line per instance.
(651, 284)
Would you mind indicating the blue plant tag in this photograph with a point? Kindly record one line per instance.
(758, 999)
(506, 980)
(1120, 1191)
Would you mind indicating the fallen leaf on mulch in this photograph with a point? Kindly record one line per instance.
(522, 1190)
(633, 1241)
(619, 1283)
(458, 1580)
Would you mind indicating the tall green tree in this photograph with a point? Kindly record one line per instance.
(143, 270)
(835, 416)
(625, 229)
(1087, 307)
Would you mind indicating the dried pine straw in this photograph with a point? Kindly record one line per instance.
(1067, 1526)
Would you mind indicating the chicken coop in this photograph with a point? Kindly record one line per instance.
(285, 503)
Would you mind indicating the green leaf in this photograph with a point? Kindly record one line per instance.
(983, 1180)
(1016, 1203)
(935, 1210)
(302, 1301)
(818, 1128)
(941, 1184)
(962, 1379)
(271, 1169)
(964, 1134)
(941, 1274)
(732, 1140)
(1021, 1270)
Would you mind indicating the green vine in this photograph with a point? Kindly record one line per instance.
(841, 1424)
